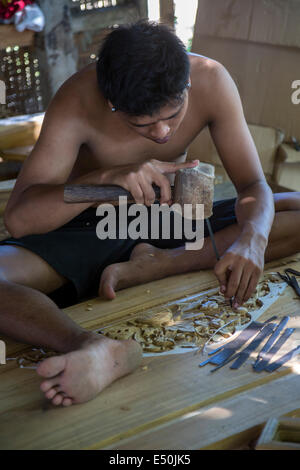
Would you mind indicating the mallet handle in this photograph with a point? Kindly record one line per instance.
(76, 193)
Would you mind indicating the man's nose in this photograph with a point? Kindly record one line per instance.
(160, 130)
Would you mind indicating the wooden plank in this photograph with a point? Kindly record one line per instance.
(129, 302)
(171, 387)
(267, 22)
(272, 69)
(19, 135)
(9, 37)
(137, 299)
(225, 425)
(224, 19)
(275, 23)
(134, 300)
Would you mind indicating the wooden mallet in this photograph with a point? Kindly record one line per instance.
(192, 186)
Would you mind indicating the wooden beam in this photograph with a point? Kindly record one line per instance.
(142, 6)
(103, 18)
(167, 12)
(55, 46)
(9, 36)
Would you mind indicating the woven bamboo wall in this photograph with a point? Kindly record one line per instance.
(22, 77)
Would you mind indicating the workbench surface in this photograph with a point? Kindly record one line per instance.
(171, 404)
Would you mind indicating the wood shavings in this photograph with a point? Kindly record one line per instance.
(191, 322)
(162, 318)
(31, 359)
(214, 335)
(163, 331)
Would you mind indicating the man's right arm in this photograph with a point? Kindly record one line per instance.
(37, 202)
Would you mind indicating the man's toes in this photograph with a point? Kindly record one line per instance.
(67, 401)
(142, 249)
(47, 385)
(108, 283)
(107, 291)
(58, 399)
(51, 393)
(51, 366)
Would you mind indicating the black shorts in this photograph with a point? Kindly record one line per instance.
(75, 251)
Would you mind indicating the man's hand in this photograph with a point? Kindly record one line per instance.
(239, 269)
(138, 179)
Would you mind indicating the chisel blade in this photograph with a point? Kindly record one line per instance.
(243, 356)
(262, 355)
(282, 360)
(230, 348)
(279, 343)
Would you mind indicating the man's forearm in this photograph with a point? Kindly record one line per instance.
(41, 208)
(255, 211)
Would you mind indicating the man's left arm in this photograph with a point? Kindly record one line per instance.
(241, 265)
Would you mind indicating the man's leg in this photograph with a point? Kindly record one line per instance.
(90, 361)
(148, 263)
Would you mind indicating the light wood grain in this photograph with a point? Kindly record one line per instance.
(237, 420)
(19, 134)
(171, 387)
(167, 12)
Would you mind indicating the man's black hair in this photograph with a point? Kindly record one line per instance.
(142, 67)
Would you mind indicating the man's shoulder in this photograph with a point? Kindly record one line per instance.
(79, 93)
(204, 69)
(210, 79)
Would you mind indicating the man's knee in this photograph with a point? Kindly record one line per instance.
(24, 267)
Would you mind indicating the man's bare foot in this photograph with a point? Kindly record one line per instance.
(147, 263)
(80, 375)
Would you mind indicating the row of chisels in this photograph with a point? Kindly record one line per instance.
(277, 335)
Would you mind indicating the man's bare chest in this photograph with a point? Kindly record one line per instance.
(107, 150)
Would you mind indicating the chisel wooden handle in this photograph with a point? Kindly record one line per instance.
(75, 193)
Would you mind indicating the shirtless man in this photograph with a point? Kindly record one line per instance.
(125, 121)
